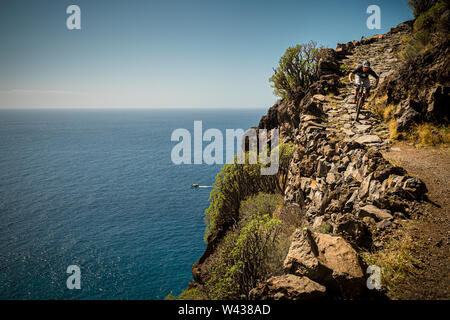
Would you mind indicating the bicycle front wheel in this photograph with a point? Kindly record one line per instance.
(358, 107)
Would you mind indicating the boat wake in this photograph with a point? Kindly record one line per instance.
(198, 186)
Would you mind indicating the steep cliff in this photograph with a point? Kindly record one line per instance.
(338, 179)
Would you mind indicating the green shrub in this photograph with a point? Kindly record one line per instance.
(192, 294)
(430, 28)
(430, 19)
(296, 72)
(250, 252)
(417, 43)
(170, 296)
(235, 182)
(262, 204)
(420, 6)
(344, 68)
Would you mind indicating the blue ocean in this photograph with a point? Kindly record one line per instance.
(97, 189)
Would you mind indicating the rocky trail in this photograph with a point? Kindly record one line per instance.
(341, 111)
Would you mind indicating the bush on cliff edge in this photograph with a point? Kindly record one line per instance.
(419, 6)
(235, 182)
(296, 72)
(430, 28)
(250, 252)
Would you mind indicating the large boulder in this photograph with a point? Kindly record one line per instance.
(270, 120)
(327, 259)
(344, 49)
(372, 39)
(402, 27)
(288, 287)
(407, 113)
(282, 115)
(419, 79)
(327, 63)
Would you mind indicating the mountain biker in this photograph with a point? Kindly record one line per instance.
(362, 78)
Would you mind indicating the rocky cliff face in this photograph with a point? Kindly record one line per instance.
(338, 176)
(420, 88)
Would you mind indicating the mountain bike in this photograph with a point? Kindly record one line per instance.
(362, 91)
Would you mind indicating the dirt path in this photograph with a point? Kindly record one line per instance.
(431, 234)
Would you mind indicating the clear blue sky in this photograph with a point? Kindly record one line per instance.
(171, 53)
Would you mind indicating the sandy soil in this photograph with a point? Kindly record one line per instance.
(431, 233)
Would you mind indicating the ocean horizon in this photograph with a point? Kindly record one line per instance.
(96, 188)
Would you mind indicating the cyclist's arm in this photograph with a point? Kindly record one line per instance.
(357, 70)
(377, 78)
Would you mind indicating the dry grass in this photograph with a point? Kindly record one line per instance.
(378, 106)
(396, 162)
(382, 100)
(393, 133)
(430, 135)
(335, 137)
(426, 134)
(396, 261)
(388, 112)
(377, 109)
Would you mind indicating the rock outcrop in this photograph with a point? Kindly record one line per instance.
(420, 88)
(406, 114)
(288, 287)
(326, 259)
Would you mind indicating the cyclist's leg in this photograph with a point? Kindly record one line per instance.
(356, 94)
(366, 86)
(358, 87)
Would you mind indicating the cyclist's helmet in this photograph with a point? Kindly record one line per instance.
(366, 64)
